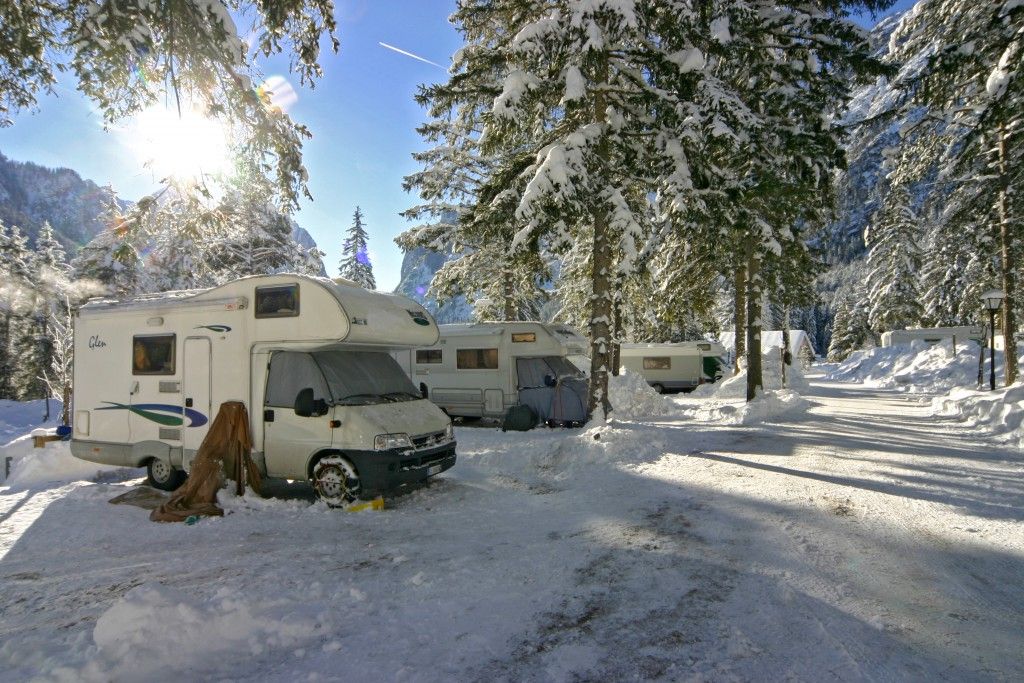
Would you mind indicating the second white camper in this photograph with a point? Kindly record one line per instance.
(484, 369)
(681, 366)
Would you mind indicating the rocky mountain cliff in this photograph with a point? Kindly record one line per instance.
(31, 195)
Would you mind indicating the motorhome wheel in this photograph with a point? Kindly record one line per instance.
(336, 481)
(162, 476)
(658, 388)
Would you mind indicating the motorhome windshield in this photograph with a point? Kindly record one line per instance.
(365, 377)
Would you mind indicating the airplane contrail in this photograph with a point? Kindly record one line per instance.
(409, 54)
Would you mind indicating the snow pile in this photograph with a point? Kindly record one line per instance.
(145, 633)
(633, 398)
(771, 375)
(999, 412)
(53, 463)
(914, 367)
(725, 401)
(766, 407)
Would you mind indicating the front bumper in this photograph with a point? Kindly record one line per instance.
(384, 471)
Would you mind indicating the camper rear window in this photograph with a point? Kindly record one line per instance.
(657, 363)
(518, 337)
(277, 302)
(153, 355)
(428, 356)
(476, 359)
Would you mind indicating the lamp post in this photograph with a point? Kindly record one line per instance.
(992, 299)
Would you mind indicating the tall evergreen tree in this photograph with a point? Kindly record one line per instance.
(894, 264)
(971, 78)
(355, 256)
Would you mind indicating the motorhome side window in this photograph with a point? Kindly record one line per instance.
(290, 373)
(424, 356)
(476, 359)
(657, 363)
(277, 302)
(153, 354)
(519, 337)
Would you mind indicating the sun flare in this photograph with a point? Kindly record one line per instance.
(183, 147)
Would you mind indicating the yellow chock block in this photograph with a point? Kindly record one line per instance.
(375, 504)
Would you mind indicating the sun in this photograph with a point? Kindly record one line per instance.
(185, 147)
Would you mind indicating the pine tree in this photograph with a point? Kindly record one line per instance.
(355, 256)
(894, 264)
(971, 79)
(33, 344)
(111, 259)
(15, 299)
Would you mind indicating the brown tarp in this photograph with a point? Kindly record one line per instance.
(225, 451)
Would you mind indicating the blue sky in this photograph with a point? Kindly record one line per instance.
(361, 113)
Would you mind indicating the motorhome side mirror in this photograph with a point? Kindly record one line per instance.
(304, 403)
(550, 381)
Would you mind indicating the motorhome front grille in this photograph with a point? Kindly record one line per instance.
(426, 460)
(427, 440)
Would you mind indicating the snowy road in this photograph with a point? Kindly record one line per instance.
(861, 540)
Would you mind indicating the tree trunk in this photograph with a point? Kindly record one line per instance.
(739, 319)
(787, 357)
(754, 381)
(616, 356)
(601, 276)
(508, 294)
(1009, 267)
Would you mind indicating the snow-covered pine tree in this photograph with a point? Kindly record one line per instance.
(594, 115)
(355, 255)
(15, 289)
(894, 264)
(470, 199)
(59, 375)
(972, 76)
(112, 260)
(33, 343)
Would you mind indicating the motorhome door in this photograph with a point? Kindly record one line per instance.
(196, 394)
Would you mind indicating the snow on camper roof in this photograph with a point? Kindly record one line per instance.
(367, 317)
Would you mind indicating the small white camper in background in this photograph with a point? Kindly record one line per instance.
(680, 366)
(934, 335)
(483, 369)
(309, 358)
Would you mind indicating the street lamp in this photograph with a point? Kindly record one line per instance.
(992, 299)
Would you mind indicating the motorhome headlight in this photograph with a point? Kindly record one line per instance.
(449, 432)
(387, 442)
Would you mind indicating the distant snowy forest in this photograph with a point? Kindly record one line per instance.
(646, 171)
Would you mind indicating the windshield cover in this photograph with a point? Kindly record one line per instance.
(563, 367)
(364, 377)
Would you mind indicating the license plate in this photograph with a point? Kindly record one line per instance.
(433, 469)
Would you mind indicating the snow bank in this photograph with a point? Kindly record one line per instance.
(51, 464)
(999, 412)
(633, 398)
(771, 375)
(914, 367)
(146, 633)
(768, 406)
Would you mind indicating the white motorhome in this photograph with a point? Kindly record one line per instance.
(934, 335)
(483, 369)
(680, 366)
(310, 359)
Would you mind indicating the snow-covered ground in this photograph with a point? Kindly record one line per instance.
(861, 536)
